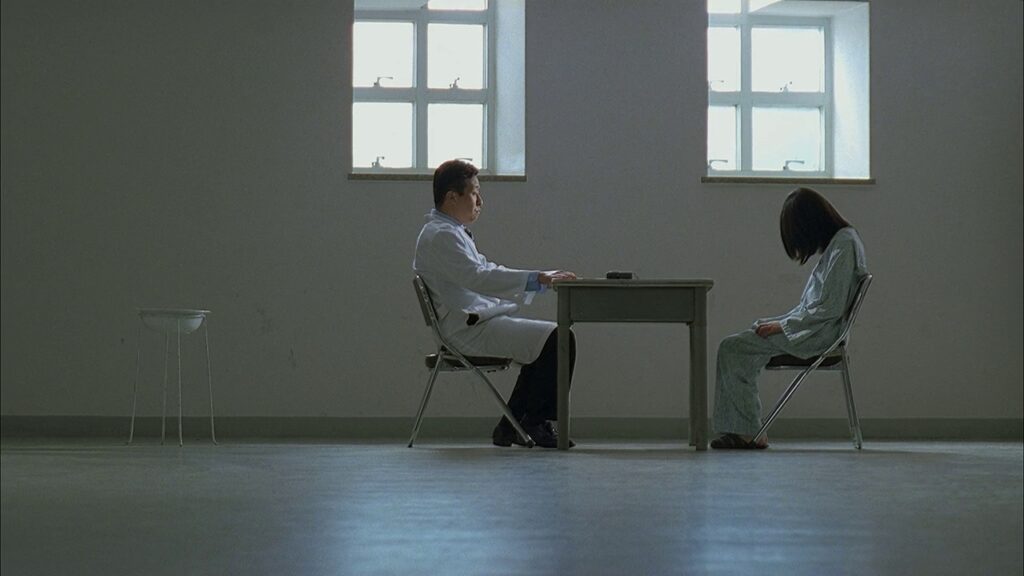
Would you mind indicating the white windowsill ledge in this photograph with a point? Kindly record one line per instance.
(428, 176)
(788, 180)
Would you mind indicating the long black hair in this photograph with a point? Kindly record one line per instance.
(807, 223)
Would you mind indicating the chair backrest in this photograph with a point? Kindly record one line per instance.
(851, 314)
(427, 307)
(423, 297)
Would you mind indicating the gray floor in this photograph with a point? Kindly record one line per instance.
(94, 507)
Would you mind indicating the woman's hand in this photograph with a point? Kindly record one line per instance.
(767, 329)
(549, 278)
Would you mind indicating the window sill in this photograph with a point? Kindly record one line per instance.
(429, 176)
(786, 180)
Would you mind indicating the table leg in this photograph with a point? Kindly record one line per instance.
(693, 399)
(564, 325)
(699, 373)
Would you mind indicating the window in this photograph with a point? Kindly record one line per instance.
(432, 81)
(788, 88)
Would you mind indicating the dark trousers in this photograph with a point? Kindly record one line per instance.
(535, 397)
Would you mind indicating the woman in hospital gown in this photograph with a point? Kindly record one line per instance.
(809, 225)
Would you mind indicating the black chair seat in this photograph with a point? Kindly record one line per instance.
(478, 361)
(787, 361)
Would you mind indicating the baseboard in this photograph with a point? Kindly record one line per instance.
(444, 427)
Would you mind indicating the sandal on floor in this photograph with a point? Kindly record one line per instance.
(730, 441)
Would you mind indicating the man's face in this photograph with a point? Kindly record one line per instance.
(466, 208)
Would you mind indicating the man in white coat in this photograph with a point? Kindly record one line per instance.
(476, 300)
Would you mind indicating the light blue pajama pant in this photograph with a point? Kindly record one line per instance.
(740, 359)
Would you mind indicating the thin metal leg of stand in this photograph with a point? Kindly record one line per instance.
(178, 324)
(209, 376)
(163, 419)
(135, 387)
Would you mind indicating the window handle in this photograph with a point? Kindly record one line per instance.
(376, 162)
(785, 87)
(788, 162)
(455, 83)
(376, 83)
(711, 163)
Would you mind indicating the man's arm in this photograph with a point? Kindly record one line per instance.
(451, 257)
(539, 281)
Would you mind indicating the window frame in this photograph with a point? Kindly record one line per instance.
(421, 96)
(745, 99)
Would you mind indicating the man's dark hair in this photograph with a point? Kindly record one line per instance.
(807, 223)
(452, 175)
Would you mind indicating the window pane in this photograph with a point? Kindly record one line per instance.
(382, 132)
(787, 136)
(723, 6)
(456, 131)
(457, 5)
(787, 59)
(722, 138)
(723, 59)
(382, 50)
(455, 51)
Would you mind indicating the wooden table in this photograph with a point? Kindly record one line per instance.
(682, 301)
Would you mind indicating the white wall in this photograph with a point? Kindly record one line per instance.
(193, 153)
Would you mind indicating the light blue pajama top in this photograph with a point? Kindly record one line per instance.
(816, 321)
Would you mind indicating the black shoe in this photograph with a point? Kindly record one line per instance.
(542, 435)
(552, 430)
(505, 435)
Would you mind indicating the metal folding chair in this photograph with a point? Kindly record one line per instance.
(835, 358)
(448, 359)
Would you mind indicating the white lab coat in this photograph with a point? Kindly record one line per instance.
(462, 282)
